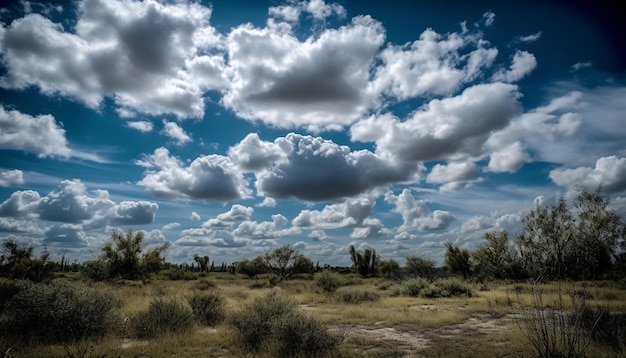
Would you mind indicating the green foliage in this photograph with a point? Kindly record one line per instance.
(450, 287)
(328, 281)
(286, 261)
(60, 311)
(96, 270)
(163, 316)
(252, 267)
(177, 273)
(207, 307)
(497, 259)
(419, 266)
(17, 261)
(123, 257)
(364, 262)
(202, 261)
(390, 269)
(414, 286)
(273, 323)
(457, 260)
(577, 242)
(357, 295)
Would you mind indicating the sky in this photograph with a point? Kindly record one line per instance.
(230, 128)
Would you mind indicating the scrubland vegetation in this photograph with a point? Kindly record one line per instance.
(557, 290)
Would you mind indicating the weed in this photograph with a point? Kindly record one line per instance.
(163, 316)
(207, 307)
(357, 295)
(328, 281)
(414, 286)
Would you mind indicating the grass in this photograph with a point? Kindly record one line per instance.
(459, 322)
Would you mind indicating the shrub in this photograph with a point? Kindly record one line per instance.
(447, 288)
(272, 322)
(207, 308)
(7, 291)
(205, 284)
(355, 295)
(61, 311)
(328, 281)
(163, 316)
(413, 287)
(176, 273)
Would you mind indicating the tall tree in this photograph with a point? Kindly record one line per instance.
(286, 261)
(364, 262)
(496, 258)
(123, 255)
(457, 260)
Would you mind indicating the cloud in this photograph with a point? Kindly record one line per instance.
(11, 225)
(66, 235)
(237, 213)
(579, 66)
(195, 216)
(175, 132)
(523, 64)
(147, 56)
(489, 17)
(319, 83)
(318, 235)
(416, 215)
(318, 9)
(610, 172)
(69, 203)
(39, 135)
(508, 159)
(316, 169)
(212, 178)
(253, 154)
(371, 229)
(453, 128)
(170, 226)
(531, 38)
(142, 126)
(350, 213)
(11, 178)
(453, 175)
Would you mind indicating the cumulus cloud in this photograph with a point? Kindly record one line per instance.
(144, 55)
(508, 159)
(531, 38)
(316, 169)
(610, 172)
(40, 135)
(174, 131)
(523, 63)
(142, 126)
(350, 213)
(453, 128)
(11, 178)
(253, 154)
(70, 203)
(416, 215)
(579, 66)
(195, 216)
(65, 235)
(318, 9)
(236, 213)
(372, 228)
(319, 83)
(212, 178)
(170, 226)
(11, 225)
(453, 176)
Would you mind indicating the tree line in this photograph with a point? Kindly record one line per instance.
(584, 240)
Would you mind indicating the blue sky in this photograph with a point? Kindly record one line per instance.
(233, 127)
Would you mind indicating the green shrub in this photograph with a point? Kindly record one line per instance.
(273, 323)
(96, 270)
(414, 286)
(7, 291)
(207, 307)
(163, 316)
(446, 288)
(178, 274)
(204, 284)
(357, 295)
(61, 311)
(328, 281)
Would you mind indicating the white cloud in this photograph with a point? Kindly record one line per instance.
(580, 65)
(416, 215)
(170, 226)
(371, 229)
(489, 17)
(610, 172)
(144, 55)
(350, 213)
(213, 178)
(531, 38)
(318, 9)
(318, 235)
(40, 135)
(11, 178)
(174, 131)
(142, 126)
(508, 159)
(237, 213)
(523, 63)
(68, 235)
(319, 83)
(453, 175)
(195, 216)
(253, 154)
(452, 128)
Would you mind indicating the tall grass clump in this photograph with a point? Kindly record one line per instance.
(207, 307)
(554, 330)
(450, 287)
(328, 281)
(273, 324)
(413, 287)
(58, 312)
(163, 316)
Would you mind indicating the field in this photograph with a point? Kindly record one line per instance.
(370, 317)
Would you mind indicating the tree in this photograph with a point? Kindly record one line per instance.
(457, 260)
(18, 261)
(202, 261)
(496, 258)
(123, 256)
(578, 242)
(419, 266)
(286, 261)
(252, 267)
(364, 262)
(390, 269)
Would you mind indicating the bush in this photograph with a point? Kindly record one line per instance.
(413, 287)
(353, 295)
(176, 273)
(61, 311)
(163, 316)
(273, 323)
(207, 308)
(447, 288)
(328, 281)
(7, 291)
(205, 284)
